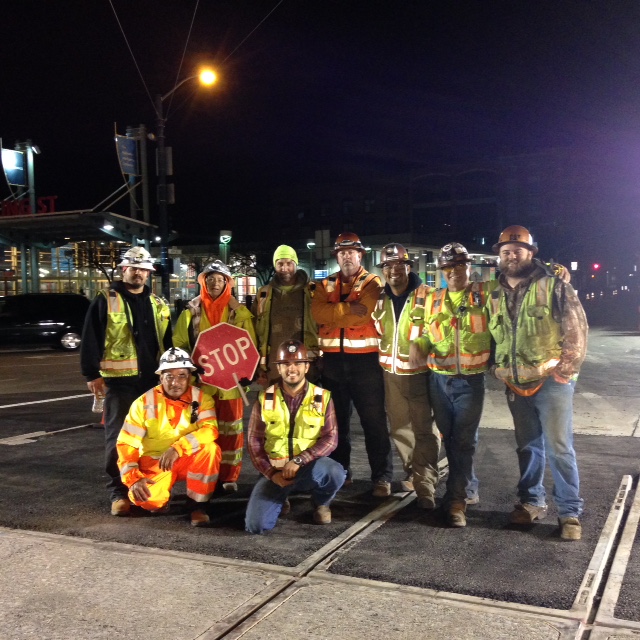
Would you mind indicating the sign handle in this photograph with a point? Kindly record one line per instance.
(242, 393)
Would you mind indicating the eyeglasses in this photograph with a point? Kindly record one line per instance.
(182, 377)
(449, 268)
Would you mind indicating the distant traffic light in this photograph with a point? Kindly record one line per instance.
(596, 266)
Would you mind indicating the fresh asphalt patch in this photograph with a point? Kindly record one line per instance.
(491, 558)
(628, 604)
(57, 485)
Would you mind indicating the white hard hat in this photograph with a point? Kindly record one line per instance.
(175, 358)
(137, 257)
(217, 266)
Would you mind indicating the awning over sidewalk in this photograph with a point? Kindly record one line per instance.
(48, 230)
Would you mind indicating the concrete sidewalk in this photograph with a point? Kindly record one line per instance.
(62, 588)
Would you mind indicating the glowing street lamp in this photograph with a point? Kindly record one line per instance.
(207, 77)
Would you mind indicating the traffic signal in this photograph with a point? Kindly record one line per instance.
(596, 266)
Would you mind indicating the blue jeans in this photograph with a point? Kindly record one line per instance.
(457, 407)
(544, 421)
(323, 477)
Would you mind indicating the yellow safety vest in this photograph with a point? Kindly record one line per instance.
(283, 440)
(120, 357)
(529, 349)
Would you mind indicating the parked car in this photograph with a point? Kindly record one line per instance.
(33, 319)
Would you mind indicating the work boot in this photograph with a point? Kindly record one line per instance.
(322, 514)
(570, 528)
(428, 503)
(120, 507)
(286, 507)
(527, 513)
(381, 489)
(199, 518)
(230, 487)
(473, 499)
(407, 483)
(455, 515)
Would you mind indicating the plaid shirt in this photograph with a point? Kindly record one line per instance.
(324, 445)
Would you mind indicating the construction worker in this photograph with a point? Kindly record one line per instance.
(215, 304)
(126, 329)
(167, 436)
(292, 430)
(540, 330)
(342, 307)
(399, 319)
(456, 346)
(282, 311)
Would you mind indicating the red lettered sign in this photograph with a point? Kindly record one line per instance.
(225, 350)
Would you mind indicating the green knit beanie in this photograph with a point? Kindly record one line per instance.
(284, 252)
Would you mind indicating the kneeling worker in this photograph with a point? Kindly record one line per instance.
(292, 430)
(167, 436)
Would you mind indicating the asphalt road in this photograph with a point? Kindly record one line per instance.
(54, 483)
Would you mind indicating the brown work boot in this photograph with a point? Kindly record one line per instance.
(381, 489)
(527, 513)
(455, 515)
(322, 514)
(120, 507)
(427, 502)
(286, 507)
(570, 528)
(407, 483)
(473, 499)
(199, 518)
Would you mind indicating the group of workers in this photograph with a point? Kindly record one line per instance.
(404, 351)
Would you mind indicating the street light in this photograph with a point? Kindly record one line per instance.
(207, 77)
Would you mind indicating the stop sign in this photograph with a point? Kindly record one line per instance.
(227, 354)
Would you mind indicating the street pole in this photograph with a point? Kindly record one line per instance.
(162, 199)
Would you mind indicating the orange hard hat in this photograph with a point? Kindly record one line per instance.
(348, 240)
(515, 233)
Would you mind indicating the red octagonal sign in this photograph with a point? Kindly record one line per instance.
(226, 354)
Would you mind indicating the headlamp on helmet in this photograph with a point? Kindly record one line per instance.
(348, 240)
(175, 358)
(451, 254)
(292, 351)
(137, 257)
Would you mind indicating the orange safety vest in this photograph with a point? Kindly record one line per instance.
(362, 339)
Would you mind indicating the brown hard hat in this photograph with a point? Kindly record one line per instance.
(291, 351)
(452, 253)
(394, 252)
(348, 240)
(515, 233)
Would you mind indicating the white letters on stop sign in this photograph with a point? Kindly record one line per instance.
(230, 356)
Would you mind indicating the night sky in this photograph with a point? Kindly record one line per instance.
(321, 90)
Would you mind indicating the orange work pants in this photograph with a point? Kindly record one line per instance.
(230, 437)
(200, 470)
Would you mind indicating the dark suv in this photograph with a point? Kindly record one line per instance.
(33, 319)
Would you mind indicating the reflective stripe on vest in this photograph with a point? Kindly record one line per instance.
(120, 357)
(361, 339)
(396, 336)
(535, 349)
(283, 440)
(461, 342)
(160, 433)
